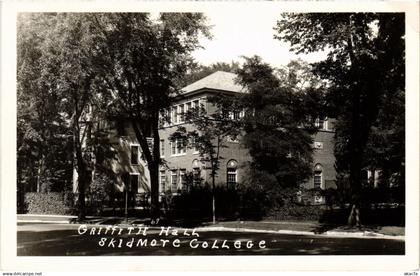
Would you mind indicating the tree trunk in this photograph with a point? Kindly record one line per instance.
(354, 217)
(213, 199)
(154, 173)
(81, 188)
(154, 183)
(152, 159)
(355, 142)
(38, 176)
(81, 170)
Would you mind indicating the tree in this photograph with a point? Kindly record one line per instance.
(364, 65)
(210, 135)
(141, 61)
(277, 131)
(61, 73)
(42, 144)
(78, 61)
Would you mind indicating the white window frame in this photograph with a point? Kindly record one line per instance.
(319, 173)
(173, 114)
(182, 174)
(195, 103)
(325, 127)
(180, 110)
(174, 173)
(188, 106)
(163, 187)
(240, 114)
(234, 173)
(177, 151)
(138, 154)
(138, 181)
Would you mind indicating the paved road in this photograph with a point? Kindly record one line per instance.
(35, 239)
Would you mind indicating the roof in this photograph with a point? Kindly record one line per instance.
(218, 80)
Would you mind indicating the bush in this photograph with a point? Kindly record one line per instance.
(294, 211)
(243, 202)
(47, 203)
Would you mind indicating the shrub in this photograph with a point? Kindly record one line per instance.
(47, 203)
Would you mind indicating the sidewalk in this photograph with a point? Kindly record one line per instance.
(314, 228)
(279, 227)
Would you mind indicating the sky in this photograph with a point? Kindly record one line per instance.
(245, 33)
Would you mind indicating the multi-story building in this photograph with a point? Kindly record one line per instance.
(182, 160)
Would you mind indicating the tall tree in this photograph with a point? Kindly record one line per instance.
(277, 131)
(140, 60)
(364, 61)
(42, 143)
(66, 88)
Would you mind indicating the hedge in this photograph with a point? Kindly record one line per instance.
(47, 203)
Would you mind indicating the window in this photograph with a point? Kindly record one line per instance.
(162, 181)
(196, 172)
(317, 180)
(321, 123)
(232, 173)
(134, 155)
(173, 147)
(134, 183)
(174, 180)
(173, 115)
(194, 145)
(162, 148)
(196, 176)
(188, 107)
(326, 124)
(178, 146)
(196, 104)
(183, 179)
(180, 114)
(181, 147)
(318, 176)
(234, 115)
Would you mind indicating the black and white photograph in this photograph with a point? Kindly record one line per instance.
(215, 132)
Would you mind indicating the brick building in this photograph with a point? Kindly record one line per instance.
(181, 160)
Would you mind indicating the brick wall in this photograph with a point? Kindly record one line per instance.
(323, 155)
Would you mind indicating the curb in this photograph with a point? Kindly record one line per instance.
(335, 234)
(365, 234)
(43, 221)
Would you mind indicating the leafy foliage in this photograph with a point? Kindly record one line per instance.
(77, 69)
(365, 71)
(277, 131)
